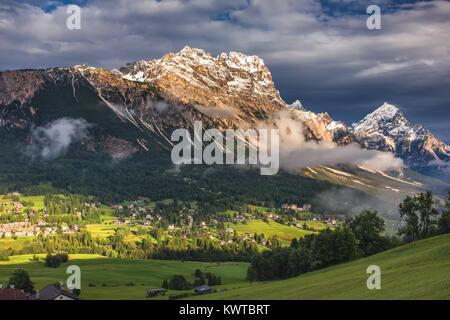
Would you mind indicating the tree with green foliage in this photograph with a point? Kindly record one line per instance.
(198, 273)
(444, 220)
(200, 281)
(294, 243)
(179, 282)
(165, 284)
(21, 280)
(314, 251)
(54, 261)
(251, 275)
(418, 213)
(331, 247)
(367, 227)
(213, 280)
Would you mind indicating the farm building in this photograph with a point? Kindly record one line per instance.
(203, 289)
(13, 294)
(156, 292)
(53, 293)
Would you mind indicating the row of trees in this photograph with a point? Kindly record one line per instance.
(197, 248)
(421, 217)
(360, 236)
(312, 252)
(179, 282)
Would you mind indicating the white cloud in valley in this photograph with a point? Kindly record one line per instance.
(53, 140)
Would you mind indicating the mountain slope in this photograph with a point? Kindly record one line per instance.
(192, 76)
(229, 90)
(161, 94)
(387, 129)
(135, 109)
(418, 270)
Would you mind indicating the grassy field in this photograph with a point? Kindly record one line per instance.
(38, 201)
(271, 228)
(101, 230)
(419, 270)
(111, 276)
(317, 225)
(15, 244)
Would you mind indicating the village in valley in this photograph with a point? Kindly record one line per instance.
(30, 223)
(20, 217)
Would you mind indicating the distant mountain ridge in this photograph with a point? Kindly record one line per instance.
(230, 90)
(387, 129)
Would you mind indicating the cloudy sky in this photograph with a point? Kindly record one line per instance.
(320, 52)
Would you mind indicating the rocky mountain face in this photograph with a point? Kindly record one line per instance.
(231, 81)
(152, 97)
(229, 90)
(321, 126)
(387, 129)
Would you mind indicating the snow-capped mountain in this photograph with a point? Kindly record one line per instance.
(387, 129)
(231, 89)
(156, 95)
(233, 82)
(320, 126)
(192, 76)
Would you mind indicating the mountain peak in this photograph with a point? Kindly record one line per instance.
(193, 76)
(387, 119)
(297, 105)
(387, 110)
(387, 129)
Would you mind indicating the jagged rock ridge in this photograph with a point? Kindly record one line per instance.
(387, 129)
(229, 90)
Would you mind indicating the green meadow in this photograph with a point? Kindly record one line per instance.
(38, 201)
(110, 278)
(271, 228)
(419, 270)
(101, 230)
(14, 244)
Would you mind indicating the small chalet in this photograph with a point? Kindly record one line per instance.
(53, 293)
(203, 289)
(156, 292)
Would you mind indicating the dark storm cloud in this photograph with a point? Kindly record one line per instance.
(318, 51)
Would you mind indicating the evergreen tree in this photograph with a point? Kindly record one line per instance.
(21, 280)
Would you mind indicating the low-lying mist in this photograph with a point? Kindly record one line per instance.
(52, 140)
(297, 153)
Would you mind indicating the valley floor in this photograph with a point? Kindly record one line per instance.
(120, 279)
(419, 270)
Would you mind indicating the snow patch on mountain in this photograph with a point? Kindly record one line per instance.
(387, 129)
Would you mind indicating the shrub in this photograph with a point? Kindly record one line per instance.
(54, 261)
(4, 257)
(179, 282)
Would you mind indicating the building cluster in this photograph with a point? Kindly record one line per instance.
(11, 207)
(305, 207)
(17, 229)
(50, 292)
(26, 229)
